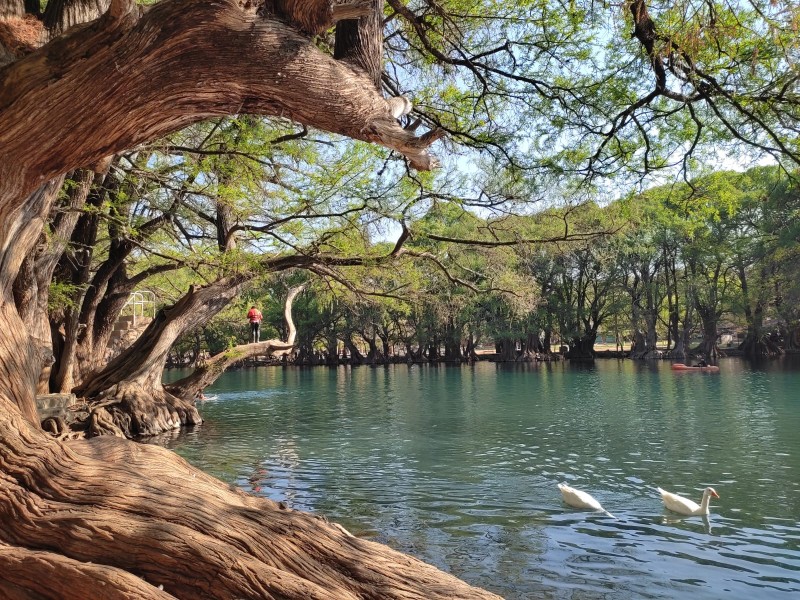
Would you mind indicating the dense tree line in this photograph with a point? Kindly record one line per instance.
(659, 272)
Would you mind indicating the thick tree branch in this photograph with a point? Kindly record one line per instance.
(188, 387)
(148, 85)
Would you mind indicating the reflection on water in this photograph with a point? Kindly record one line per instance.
(459, 466)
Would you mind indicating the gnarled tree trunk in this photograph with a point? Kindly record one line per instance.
(130, 387)
(108, 518)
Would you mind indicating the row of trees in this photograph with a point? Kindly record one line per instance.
(663, 269)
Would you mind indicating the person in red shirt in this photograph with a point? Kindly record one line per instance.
(255, 318)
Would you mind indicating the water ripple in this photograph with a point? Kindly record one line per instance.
(459, 467)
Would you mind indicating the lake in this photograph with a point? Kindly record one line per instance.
(459, 465)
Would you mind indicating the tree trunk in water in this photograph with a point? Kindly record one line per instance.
(708, 347)
(189, 387)
(681, 344)
(433, 350)
(639, 346)
(547, 342)
(452, 342)
(582, 348)
(506, 350)
(356, 358)
(645, 343)
(652, 335)
(470, 350)
(386, 348)
(373, 355)
(130, 386)
(332, 345)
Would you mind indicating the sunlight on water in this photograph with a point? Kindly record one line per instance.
(459, 466)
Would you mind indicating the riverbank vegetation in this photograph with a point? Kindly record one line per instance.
(694, 268)
(214, 152)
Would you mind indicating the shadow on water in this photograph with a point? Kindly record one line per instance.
(459, 466)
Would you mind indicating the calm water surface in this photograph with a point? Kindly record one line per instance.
(459, 465)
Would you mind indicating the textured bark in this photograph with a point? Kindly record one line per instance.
(20, 227)
(130, 387)
(19, 363)
(139, 517)
(126, 79)
(360, 42)
(22, 572)
(60, 15)
(106, 518)
(506, 350)
(12, 8)
(356, 358)
(708, 347)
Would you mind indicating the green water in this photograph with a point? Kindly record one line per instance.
(459, 465)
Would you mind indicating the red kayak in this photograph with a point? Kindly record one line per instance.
(683, 367)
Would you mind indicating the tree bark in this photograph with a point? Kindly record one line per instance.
(356, 358)
(130, 385)
(582, 347)
(135, 516)
(60, 15)
(506, 349)
(360, 42)
(12, 8)
(143, 84)
(69, 509)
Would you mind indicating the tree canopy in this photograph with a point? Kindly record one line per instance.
(205, 146)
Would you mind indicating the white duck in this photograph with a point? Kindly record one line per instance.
(580, 499)
(684, 506)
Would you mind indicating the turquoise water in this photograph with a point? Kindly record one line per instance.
(459, 465)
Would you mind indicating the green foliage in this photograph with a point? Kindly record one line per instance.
(62, 296)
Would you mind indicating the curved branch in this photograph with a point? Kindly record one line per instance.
(145, 84)
(189, 387)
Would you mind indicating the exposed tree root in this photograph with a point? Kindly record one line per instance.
(107, 509)
(22, 572)
(130, 410)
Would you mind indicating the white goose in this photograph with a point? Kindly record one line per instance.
(580, 499)
(684, 506)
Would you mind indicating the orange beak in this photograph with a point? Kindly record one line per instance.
(715, 494)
